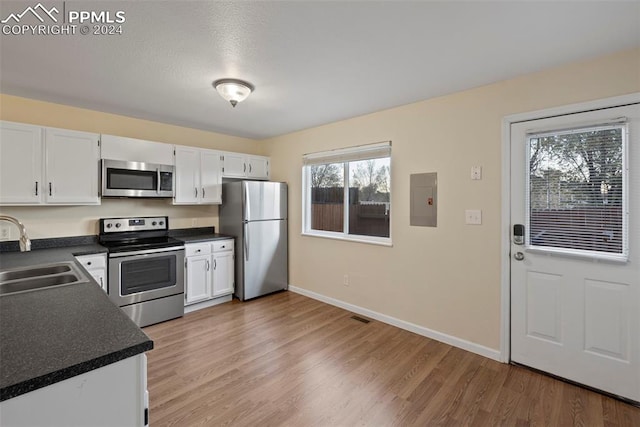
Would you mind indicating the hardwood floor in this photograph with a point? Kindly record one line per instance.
(289, 360)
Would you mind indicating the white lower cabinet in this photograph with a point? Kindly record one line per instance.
(198, 275)
(96, 265)
(209, 270)
(114, 395)
(223, 268)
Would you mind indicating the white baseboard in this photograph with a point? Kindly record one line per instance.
(208, 303)
(411, 327)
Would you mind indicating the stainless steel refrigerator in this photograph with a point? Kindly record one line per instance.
(255, 213)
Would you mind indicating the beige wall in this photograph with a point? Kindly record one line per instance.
(48, 221)
(445, 278)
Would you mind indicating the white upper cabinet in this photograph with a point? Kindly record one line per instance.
(21, 148)
(198, 176)
(136, 150)
(72, 165)
(187, 175)
(238, 165)
(48, 166)
(210, 177)
(234, 165)
(258, 167)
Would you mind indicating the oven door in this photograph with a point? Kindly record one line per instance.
(136, 179)
(145, 275)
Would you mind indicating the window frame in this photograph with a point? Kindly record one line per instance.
(623, 256)
(306, 196)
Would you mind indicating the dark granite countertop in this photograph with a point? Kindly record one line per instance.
(49, 335)
(193, 235)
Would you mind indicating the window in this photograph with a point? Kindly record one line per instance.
(347, 193)
(577, 191)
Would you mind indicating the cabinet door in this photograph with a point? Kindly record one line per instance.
(234, 165)
(71, 167)
(198, 279)
(210, 177)
(223, 270)
(258, 167)
(100, 276)
(187, 174)
(20, 164)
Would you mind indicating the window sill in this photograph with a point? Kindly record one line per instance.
(379, 241)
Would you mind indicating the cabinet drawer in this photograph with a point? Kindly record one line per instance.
(197, 249)
(222, 245)
(93, 261)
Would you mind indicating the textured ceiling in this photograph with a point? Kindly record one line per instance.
(311, 62)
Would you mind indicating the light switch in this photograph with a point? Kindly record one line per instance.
(473, 216)
(476, 173)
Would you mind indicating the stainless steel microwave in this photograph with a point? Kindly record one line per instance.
(136, 179)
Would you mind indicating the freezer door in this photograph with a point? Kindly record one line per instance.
(264, 258)
(264, 200)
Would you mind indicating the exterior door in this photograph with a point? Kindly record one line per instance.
(575, 274)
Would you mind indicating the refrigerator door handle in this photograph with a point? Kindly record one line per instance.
(246, 241)
(247, 204)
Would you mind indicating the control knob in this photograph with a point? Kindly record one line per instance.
(161, 222)
(109, 225)
(154, 223)
(118, 225)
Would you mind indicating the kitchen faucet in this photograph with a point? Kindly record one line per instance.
(25, 243)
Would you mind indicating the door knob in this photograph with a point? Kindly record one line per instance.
(519, 256)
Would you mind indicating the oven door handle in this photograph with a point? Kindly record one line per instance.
(146, 252)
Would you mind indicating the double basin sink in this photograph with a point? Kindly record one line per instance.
(39, 277)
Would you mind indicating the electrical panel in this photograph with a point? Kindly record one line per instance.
(424, 199)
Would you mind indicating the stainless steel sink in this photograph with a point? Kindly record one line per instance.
(24, 273)
(39, 277)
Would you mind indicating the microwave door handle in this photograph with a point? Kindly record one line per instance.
(158, 180)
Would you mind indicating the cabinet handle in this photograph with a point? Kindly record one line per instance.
(50, 189)
(249, 167)
(244, 165)
(203, 192)
(215, 264)
(36, 188)
(208, 265)
(196, 192)
(88, 262)
(101, 282)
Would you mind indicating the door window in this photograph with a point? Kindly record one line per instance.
(576, 190)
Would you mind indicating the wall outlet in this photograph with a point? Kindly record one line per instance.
(345, 280)
(473, 216)
(5, 232)
(476, 173)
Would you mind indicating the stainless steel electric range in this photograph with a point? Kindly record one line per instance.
(146, 268)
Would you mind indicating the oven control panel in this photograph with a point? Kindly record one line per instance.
(119, 225)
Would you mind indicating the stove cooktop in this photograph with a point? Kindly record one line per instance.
(140, 244)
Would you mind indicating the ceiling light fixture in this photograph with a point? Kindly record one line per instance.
(233, 90)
